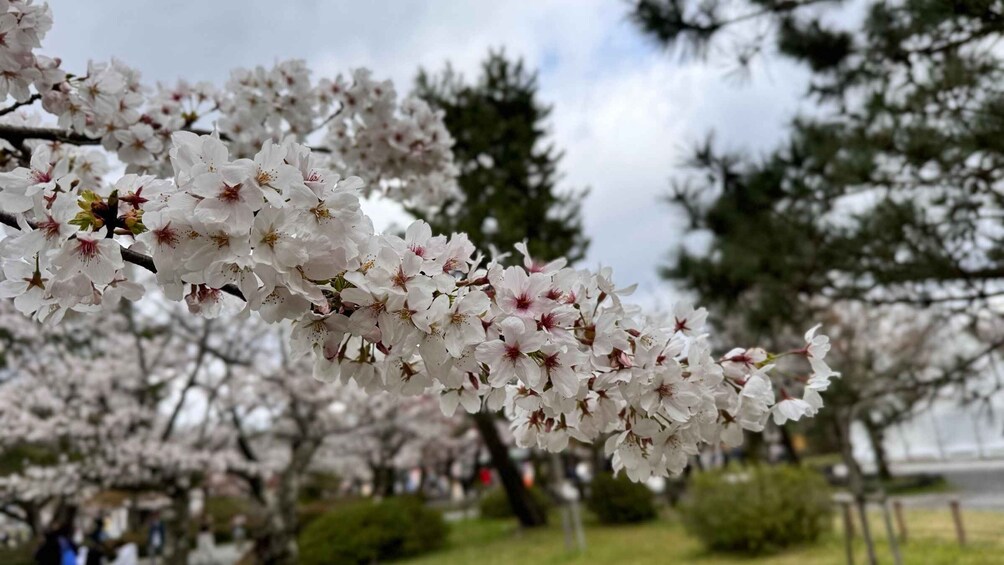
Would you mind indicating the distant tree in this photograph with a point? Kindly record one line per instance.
(508, 177)
(890, 192)
(92, 405)
(508, 169)
(893, 361)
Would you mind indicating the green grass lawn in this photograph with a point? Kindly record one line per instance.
(488, 542)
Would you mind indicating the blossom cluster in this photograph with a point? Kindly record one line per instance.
(23, 25)
(37, 485)
(557, 347)
(401, 149)
(252, 217)
(380, 141)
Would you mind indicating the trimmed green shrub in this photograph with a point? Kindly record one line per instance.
(759, 509)
(495, 503)
(367, 532)
(619, 500)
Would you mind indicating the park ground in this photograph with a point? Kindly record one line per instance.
(978, 485)
(931, 532)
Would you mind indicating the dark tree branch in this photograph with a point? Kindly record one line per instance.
(18, 134)
(13, 107)
(192, 378)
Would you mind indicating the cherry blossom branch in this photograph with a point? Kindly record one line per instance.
(242, 440)
(128, 255)
(13, 107)
(192, 377)
(18, 134)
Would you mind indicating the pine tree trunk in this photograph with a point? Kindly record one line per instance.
(523, 506)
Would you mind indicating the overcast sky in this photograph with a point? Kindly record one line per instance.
(625, 112)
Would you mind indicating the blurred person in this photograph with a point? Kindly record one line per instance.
(57, 548)
(155, 538)
(239, 531)
(127, 554)
(98, 552)
(205, 544)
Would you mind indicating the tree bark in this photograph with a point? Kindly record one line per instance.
(855, 479)
(789, 446)
(523, 506)
(383, 480)
(753, 448)
(278, 543)
(177, 541)
(876, 435)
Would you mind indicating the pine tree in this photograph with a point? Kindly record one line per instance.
(892, 191)
(889, 193)
(509, 171)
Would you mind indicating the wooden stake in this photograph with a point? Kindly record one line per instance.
(960, 531)
(848, 532)
(897, 558)
(866, 532)
(897, 508)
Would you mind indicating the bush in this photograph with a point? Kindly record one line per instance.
(367, 532)
(618, 500)
(759, 509)
(495, 503)
(310, 511)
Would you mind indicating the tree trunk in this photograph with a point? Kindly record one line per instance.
(278, 544)
(177, 543)
(523, 506)
(33, 519)
(789, 446)
(876, 435)
(843, 417)
(387, 475)
(65, 514)
(601, 463)
(383, 480)
(753, 448)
